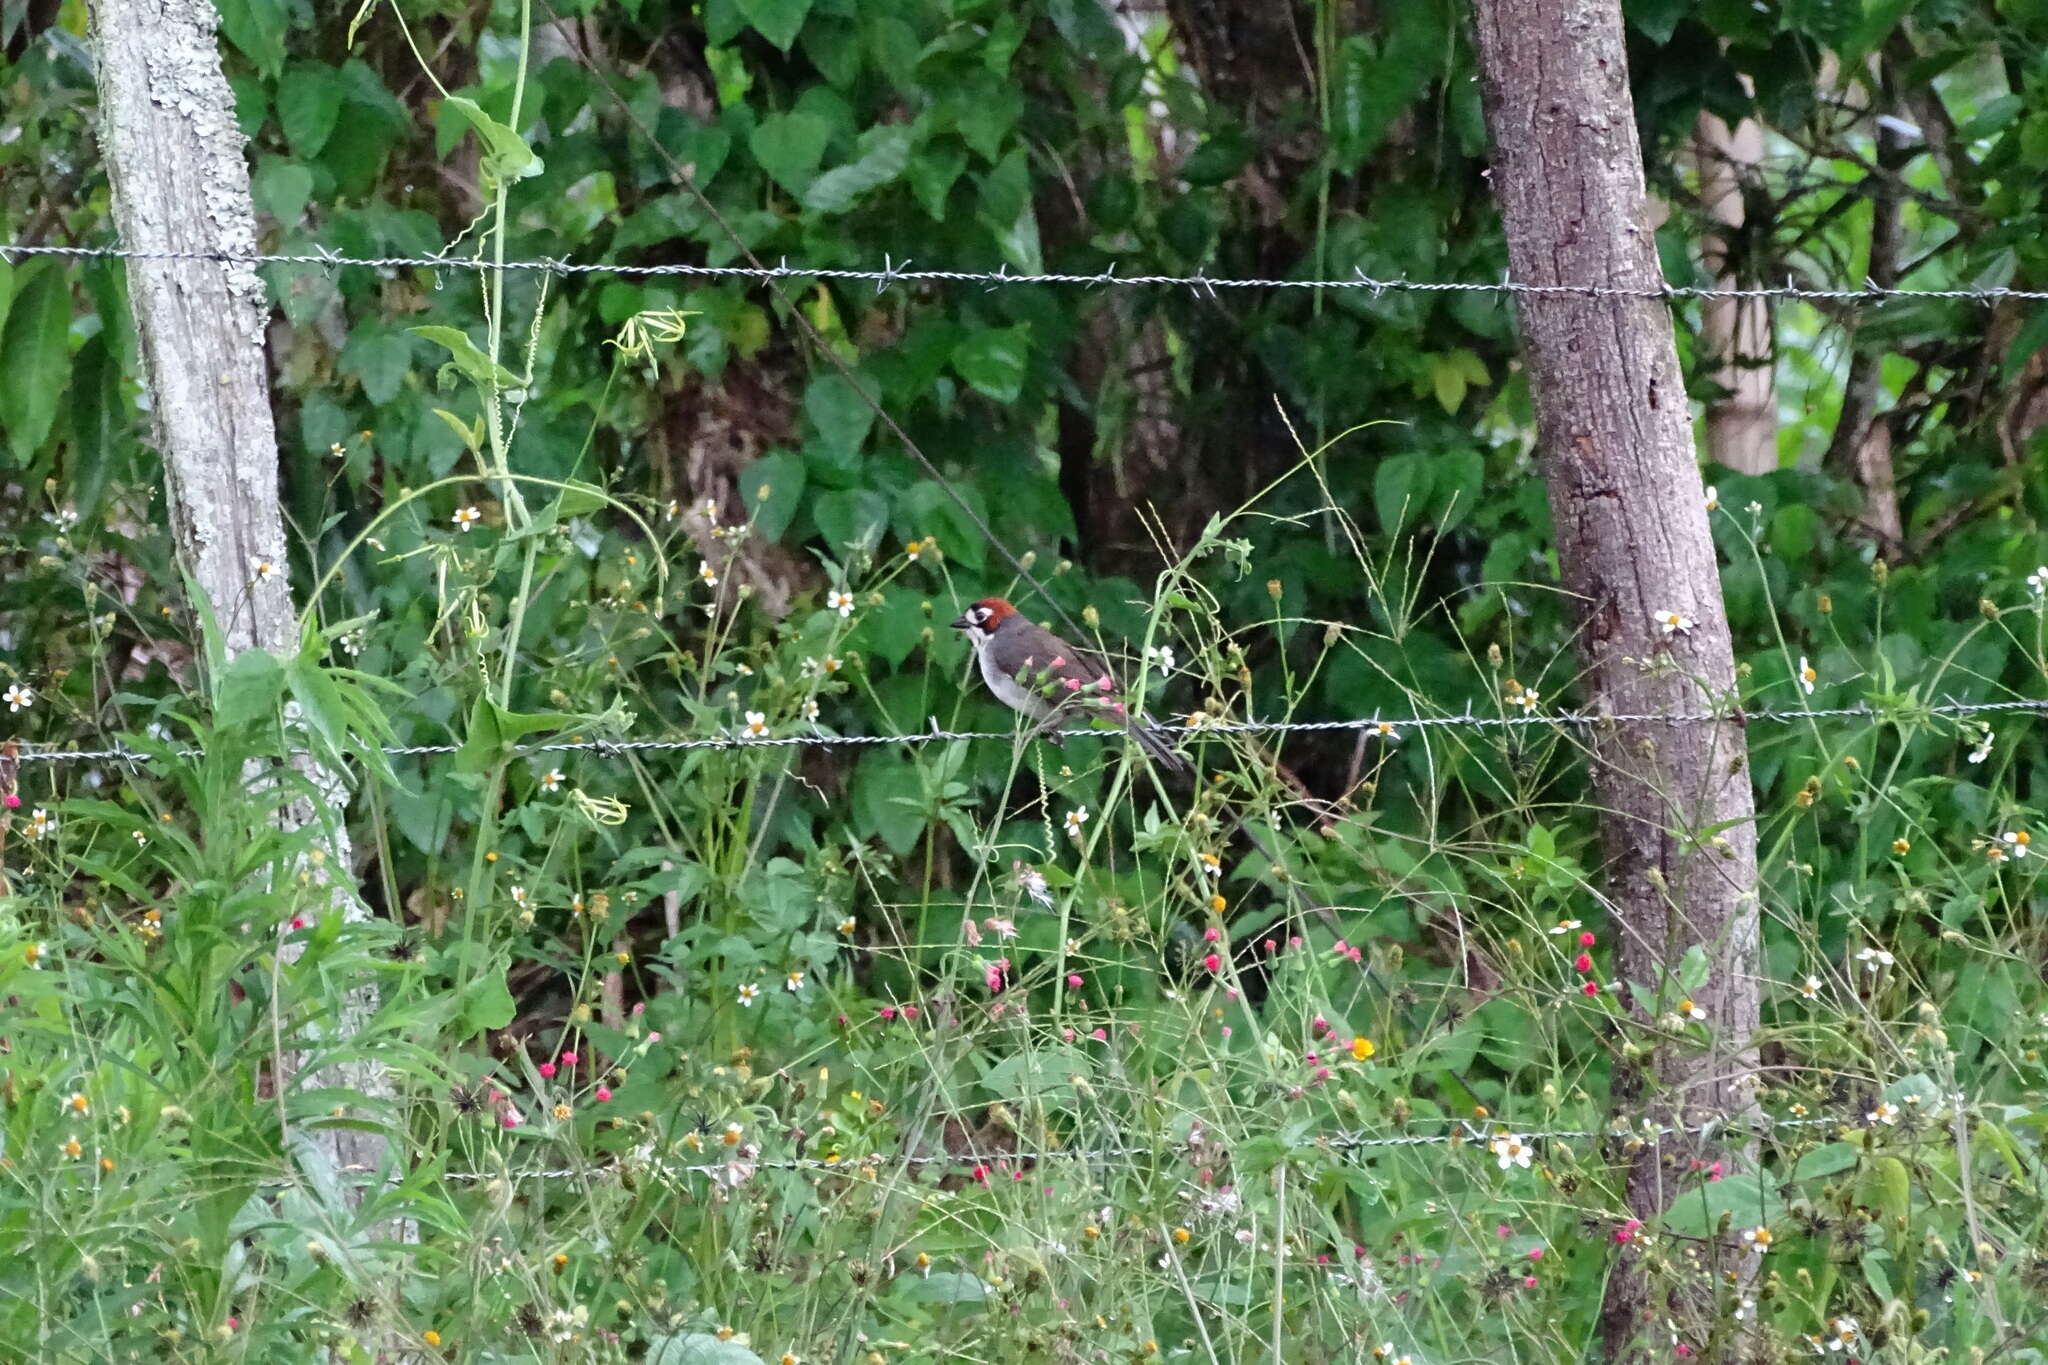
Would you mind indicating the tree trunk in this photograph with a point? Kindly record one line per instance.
(1742, 428)
(1615, 431)
(174, 155)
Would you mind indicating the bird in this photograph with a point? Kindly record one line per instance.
(1035, 672)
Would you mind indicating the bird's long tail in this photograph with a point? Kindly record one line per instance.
(1161, 752)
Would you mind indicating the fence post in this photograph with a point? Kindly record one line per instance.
(1615, 431)
(181, 189)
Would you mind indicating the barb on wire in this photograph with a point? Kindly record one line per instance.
(614, 748)
(327, 259)
(1458, 1131)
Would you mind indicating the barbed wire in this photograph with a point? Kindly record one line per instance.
(892, 273)
(1390, 728)
(1459, 1131)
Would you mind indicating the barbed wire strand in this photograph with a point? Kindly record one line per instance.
(612, 748)
(1460, 1131)
(893, 273)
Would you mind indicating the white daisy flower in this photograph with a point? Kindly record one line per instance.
(466, 517)
(1810, 988)
(1672, 622)
(794, 981)
(1983, 749)
(1875, 959)
(757, 725)
(1076, 818)
(551, 780)
(840, 601)
(18, 698)
(1713, 498)
(748, 993)
(1510, 1150)
(1808, 676)
(708, 574)
(2016, 842)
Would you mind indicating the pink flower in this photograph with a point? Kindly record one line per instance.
(1528, 1282)
(1106, 683)
(1212, 934)
(1100, 1035)
(1066, 1035)
(1683, 1350)
(13, 801)
(1714, 1172)
(1340, 947)
(1073, 981)
(1272, 947)
(910, 1012)
(508, 1120)
(1587, 940)
(1356, 954)
(1583, 963)
(568, 1059)
(1591, 988)
(1503, 1231)
(888, 1011)
(1321, 1025)
(1535, 1253)
(654, 1037)
(1213, 963)
(1627, 1231)
(547, 1071)
(994, 973)
(1060, 662)
(604, 1094)
(1073, 684)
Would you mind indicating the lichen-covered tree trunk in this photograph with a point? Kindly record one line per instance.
(181, 189)
(1615, 431)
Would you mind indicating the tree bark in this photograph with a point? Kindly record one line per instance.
(1742, 428)
(174, 155)
(1615, 431)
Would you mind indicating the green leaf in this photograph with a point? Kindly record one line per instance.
(994, 361)
(1749, 1200)
(380, 360)
(843, 418)
(257, 27)
(100, 416)
(1830, 1159)
(1887, 1186)
(778, 21)
(493, 731)
(851, 516)
(487, 1003)
(468, 357)
(35, 343)
(308, 105)
(1400, 490)
(1220, 157)
(698, 1348)
(472, 434)
(1457, 480)
(506, 155)
(885, 153)
(249, 690)
(788, 147)
(281, 188)
(773, 487)
(932, 174)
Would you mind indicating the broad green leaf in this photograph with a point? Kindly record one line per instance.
(308, 106)
(994, 361)
(773, 487)
(1458, 481)
(885, 153)
(281, 188)
(487, 1003)
(1887, 1186)
(469, 358)
(1829, 1159)
(698, 1348)
(38, 359)
(842, 416)
(776, 20)
(506, 155)
(788, 147)
(379, 359)
(851, 516)
(101, 419)
(1749, 1200)
(1400, 490)
(257, 27)
(249, 690)
(472, 433)
(493, 731)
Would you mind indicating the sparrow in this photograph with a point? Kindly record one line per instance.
(1035, 672)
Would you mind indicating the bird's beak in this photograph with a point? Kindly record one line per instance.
(961, 622)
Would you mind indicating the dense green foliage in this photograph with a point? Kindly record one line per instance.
(849, 957)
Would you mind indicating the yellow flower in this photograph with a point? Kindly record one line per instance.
(1362, 1049)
